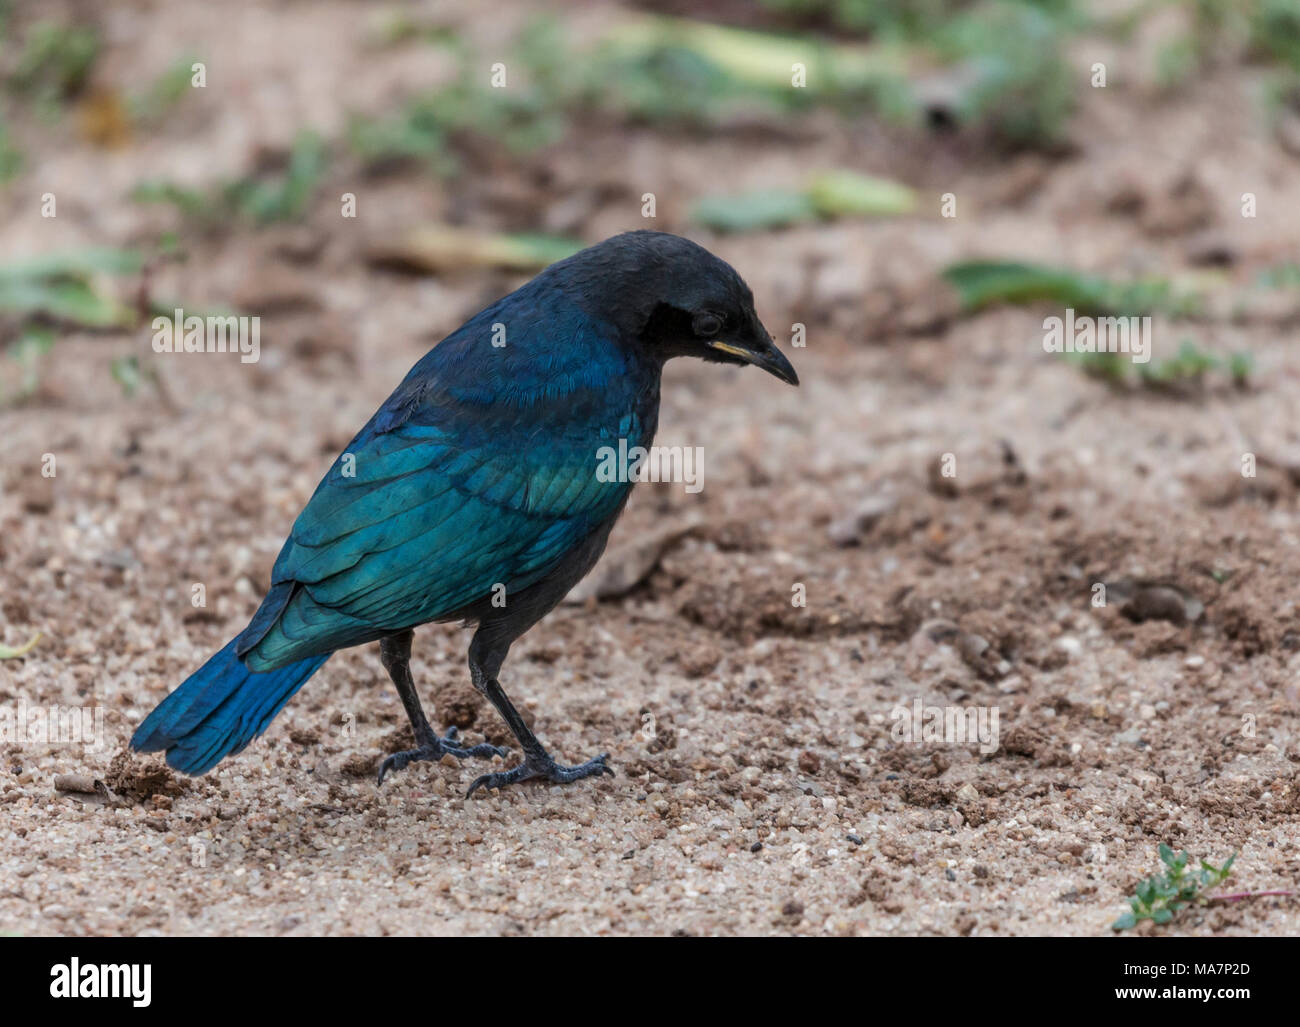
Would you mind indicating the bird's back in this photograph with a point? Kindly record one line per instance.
(477, 475)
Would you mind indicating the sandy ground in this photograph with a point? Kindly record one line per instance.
(759, 786)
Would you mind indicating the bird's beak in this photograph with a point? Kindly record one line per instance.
(764, 354)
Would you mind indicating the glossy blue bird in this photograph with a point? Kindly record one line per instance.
(473, 494)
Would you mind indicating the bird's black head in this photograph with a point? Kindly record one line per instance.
(673, 298)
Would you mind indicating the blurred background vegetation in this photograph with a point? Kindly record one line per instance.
(993, 80)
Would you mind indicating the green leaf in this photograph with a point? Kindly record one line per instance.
(9, 653)
(754, 59)
(33, 342)
(283, 198)
(189, 202)
(126, 372)
(78, 262)
(747, 212)
(64, 299)
(1124, 922)
(441, 248)
(55, 61)
(165, 91)
(836, 193)
(982, 283)
(1160, 896)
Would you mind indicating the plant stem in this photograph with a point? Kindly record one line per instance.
(1248, 895)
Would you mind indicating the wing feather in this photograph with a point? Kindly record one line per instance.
(471, 475)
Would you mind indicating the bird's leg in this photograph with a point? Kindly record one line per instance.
(395, 654)
(537, 761)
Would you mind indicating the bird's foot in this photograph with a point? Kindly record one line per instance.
(435, 749)
(545, 767)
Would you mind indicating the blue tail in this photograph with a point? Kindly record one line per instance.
(219, 709)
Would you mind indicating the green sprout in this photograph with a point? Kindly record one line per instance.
(982, 283)
(1189, 366)
(1162, 895)
(54, 63)
(11, 158)
(262, 199)
(150, 106)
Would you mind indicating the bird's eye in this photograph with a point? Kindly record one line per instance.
(707, 325)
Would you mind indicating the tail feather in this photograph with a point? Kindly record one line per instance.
(218, 710)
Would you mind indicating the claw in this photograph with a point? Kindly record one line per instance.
(436, 750)
(544, 767)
